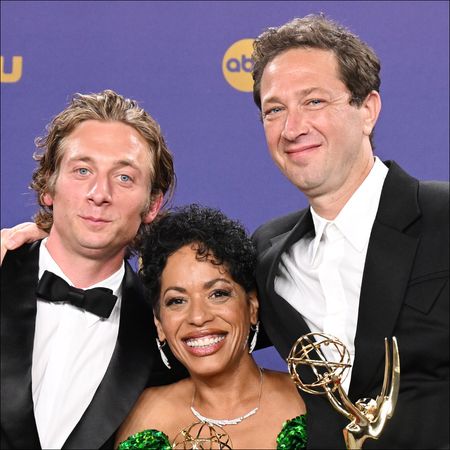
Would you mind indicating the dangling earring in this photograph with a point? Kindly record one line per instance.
(255, 337)
(161, 352)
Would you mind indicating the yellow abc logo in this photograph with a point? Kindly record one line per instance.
(237, 65)
(16, 71)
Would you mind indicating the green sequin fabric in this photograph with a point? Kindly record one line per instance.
(148, 440)
(293, 435)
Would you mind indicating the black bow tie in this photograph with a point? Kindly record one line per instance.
(99, 301)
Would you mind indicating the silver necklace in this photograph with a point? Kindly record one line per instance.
(223, 422)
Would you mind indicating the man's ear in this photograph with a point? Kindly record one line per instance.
(155, 206)
(47, 199)
(161, 335)
(372, 108)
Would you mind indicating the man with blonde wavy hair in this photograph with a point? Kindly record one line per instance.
(77, 347)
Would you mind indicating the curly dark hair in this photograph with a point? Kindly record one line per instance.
(217, 238)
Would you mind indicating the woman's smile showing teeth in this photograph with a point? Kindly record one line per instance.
(204, 314)
(204, 345)
(204, 341)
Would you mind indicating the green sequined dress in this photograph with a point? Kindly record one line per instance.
(291, 437)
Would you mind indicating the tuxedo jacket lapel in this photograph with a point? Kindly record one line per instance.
(389, 260)
(386, 272)
(283, 323)
(127, 373)
(125, 378)
(18, 317)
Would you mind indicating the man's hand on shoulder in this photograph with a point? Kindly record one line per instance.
(12, 238)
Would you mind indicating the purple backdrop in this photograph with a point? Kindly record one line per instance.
(168, 55)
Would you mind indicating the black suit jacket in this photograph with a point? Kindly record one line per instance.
(404, 293)
(134, 362)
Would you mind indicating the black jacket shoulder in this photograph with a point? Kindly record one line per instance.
(276, 227)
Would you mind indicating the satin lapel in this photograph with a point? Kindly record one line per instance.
(282, 322)
(127, 374)
(389, 261)
(19, 272)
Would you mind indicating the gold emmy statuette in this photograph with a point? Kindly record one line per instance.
(367, 416)
(202, 436)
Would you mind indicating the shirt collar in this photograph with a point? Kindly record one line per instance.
(356, 218)
(319, 226)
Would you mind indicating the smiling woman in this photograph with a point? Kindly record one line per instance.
(198, 268)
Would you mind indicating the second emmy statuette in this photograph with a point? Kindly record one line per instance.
(367, 416)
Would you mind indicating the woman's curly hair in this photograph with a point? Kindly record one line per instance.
(217, 238)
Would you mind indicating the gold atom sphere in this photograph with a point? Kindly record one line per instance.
(202, 436)
(309, 350)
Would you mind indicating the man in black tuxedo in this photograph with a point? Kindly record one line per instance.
(70, 372)
(369, 258)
